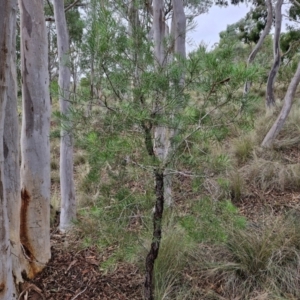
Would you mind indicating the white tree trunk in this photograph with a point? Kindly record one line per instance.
(7, 289)
(11, 143)
(270, 97)
(286, 108)
(159, 31)
(265, 32)
(165, 136)
(68, 200)
(180, 28)
(162, 135)
(35, 146)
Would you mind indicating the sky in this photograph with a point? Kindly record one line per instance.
(208, 26)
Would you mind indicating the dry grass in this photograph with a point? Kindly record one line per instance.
(242, 148)
(261, 262)
(268, 175)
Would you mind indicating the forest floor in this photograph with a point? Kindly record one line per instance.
(75, 274)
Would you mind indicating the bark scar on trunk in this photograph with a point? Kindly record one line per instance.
(2, 287)
(24, 237)
(25, 200)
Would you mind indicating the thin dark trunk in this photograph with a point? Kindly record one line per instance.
(92, 88)
(156, 238)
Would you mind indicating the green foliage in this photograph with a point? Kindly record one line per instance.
(96, 226)
(219, 162)
(210, 221)
(249, 28)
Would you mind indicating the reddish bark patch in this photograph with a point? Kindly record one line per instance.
(2, 286)
(24, 236)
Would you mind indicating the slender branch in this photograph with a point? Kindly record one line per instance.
(50, 7)
(296, 2)
(290, 18)
(78, 294)
(71, 5)
(111, 84)
(290, 48)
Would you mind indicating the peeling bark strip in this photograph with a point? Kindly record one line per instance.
(35, 144)
(270, 97)
(157, 227)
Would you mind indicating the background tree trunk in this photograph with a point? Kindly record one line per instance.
(265, 32)
(270, 97)
(178, 34)
(68, 201)
(286, 108)
(35, 146)
(7, 290)
(162, 135)
(180, 28)
(11, 143)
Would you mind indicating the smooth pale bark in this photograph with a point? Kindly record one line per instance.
(265, 32)
(35, 145)
(180, 28)
(7, 290)
(159, 31)
(286, 108)
(162, 134)
(270, 97)
(11, 143)
(68, 200)
(178, 38)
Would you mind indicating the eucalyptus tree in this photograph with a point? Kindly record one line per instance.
(68, 200)
(286, 108)
(11, 143)
(7, 289)
(35, 146)
(75, 31)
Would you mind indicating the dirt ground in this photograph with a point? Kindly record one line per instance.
(76, 274)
